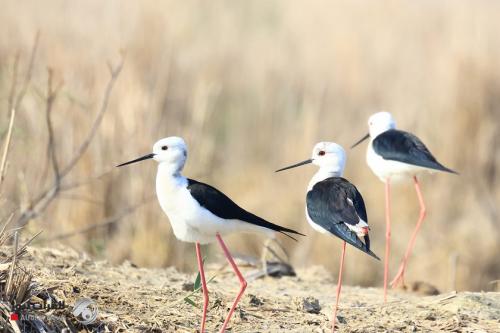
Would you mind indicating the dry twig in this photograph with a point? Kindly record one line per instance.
(29, 73)
(51, 144)
(13, 264)
(14, 102)
(115, 72)
(109, 221)
(44, 199)
(3, 164)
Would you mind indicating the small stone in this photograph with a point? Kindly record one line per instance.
(254, 300)
(188, 286)
(309, 305)
(242, 314)
(279, 269)
(315, 322)
(424, 288)
(430, 316)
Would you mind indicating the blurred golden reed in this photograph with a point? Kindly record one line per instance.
(251, 86)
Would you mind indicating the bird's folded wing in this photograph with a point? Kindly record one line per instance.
(335, 202)
(401, 146)
(222, 206)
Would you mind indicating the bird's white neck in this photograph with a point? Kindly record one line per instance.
(324, 173)
(377, 130)
(168, 178)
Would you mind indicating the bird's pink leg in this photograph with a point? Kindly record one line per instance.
(339, 287)
(243, 282)
(203, 286)
(387, 234)
(423, 212)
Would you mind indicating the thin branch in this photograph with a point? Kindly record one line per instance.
(76, 184)
(281, 260)
(9, 219)
(13, 264)
(80, 198)
(28, 242)
(115, 72)
(12, 94)
(51, 144)
(109, 221)
(3, 164)
(43, 200)
(14, 103)
(29, 72)
(37, 207)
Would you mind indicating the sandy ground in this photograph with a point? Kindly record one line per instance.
(132, 299)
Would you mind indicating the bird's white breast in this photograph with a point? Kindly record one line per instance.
(319, 176)
(180, 207)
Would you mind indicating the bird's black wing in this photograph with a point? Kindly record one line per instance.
(405, 147)
(335, 202)
(222, 206)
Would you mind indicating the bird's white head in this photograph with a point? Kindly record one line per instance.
(329, 156)
(171, 152)
(380, 122)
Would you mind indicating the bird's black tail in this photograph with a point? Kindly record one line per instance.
(343, 232)
(441, 167)
(259, 221)
(285, 232)
(254, 219)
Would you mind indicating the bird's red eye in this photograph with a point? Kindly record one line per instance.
(164, 147)
(321, 153)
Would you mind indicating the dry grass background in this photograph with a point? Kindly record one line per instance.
(252, 85)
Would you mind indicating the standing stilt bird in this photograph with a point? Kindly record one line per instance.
(397, 155)
(334, 205)
(199, 213)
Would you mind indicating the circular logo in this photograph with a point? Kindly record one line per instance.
(85, 310)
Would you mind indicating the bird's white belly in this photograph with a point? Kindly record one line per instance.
(385, 169)
(186, 216)
(194, 223)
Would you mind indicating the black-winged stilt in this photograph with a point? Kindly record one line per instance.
(334, 205)
(397, 155)
(199, 213)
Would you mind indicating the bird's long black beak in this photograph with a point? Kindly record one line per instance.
(145, 157)
(362, 139)
(296, 165)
